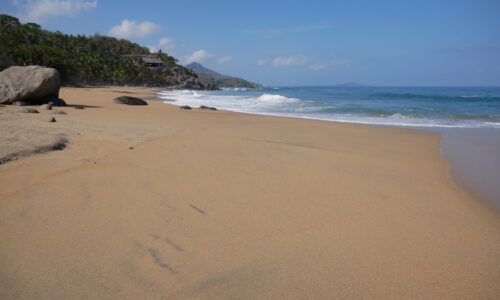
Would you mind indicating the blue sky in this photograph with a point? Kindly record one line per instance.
(289, 43)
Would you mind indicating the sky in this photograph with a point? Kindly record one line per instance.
(294, 43)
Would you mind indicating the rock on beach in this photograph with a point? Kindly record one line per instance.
(129, 100)
(29, 85)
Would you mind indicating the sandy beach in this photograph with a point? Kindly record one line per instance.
(154, 202)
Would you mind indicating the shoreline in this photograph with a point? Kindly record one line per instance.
(154, 201)
(469, 176)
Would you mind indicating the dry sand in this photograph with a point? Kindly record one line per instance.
(220, 205)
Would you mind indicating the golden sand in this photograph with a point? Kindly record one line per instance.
(154, 202)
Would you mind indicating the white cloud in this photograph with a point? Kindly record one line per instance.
(153, 49)
(166, 44)
(198, 56)
(298, 60)
(39, 10)
(131, 29)
(224, 59)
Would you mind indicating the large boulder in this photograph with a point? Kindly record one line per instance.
(129, 100)
(32, 84)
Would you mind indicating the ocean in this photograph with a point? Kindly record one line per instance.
(468, 118)
(448, 107)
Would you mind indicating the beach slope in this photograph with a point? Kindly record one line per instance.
(154, 202)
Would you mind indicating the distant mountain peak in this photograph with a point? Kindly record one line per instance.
(199, 68)
(211, 77)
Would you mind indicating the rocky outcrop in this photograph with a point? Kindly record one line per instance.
(129, 100)
(181, 78)
(31, 84)
(211, 78)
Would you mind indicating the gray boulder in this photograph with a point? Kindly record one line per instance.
(46, 107)
(51, 119)
(129, 100)
(33, 84)
(207, 107)
(57, 102)
(27, 110)
(186, 107)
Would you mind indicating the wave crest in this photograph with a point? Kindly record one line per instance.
(277, 99)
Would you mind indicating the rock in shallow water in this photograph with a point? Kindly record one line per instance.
(129, 100)
(27, 110)
(185, 107)
(207, 107)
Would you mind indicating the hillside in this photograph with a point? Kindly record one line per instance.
(88, 60)
(211, 77)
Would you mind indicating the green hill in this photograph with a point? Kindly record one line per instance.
(88, 60)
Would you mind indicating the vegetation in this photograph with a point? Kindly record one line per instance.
(226, 81)
(86, 60)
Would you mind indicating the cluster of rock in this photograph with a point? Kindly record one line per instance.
(181, 78)
(187, 107)
(31, 85)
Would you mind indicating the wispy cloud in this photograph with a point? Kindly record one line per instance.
(40, 10)
(224, 59)
(204, 56)
(272, 32)
(311, 28)
(198, 56)
(317, 67)
(166, 44)
(339, 62)
(289, 61)
(131, 29)
(262, 62)
(302, 61)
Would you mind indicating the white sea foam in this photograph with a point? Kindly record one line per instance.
(277, 99)
(399, 116)
(279, 105)
(240, 103)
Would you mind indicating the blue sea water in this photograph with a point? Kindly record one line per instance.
(467, 118)
(469, 107)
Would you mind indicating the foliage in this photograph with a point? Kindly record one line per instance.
(84, 60)
(226, 81)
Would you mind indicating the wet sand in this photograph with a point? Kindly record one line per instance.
(474, 155)
(159, 203)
